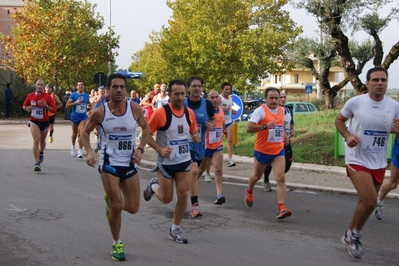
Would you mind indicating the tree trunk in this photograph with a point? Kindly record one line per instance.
(329, 96)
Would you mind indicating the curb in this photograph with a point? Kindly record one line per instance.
(291, 186)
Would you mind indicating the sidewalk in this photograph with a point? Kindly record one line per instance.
(301, 176)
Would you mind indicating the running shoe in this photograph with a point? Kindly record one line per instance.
(195, 210)
(50, 139)
(248, 198)
(177, 236)
(80, 155)
(107, 206)
(220, 200)
(117, 252)
(266, 186)
(231, 163)
(353, 244)
(283, 213)
(345, 239)
(378, 212)
(37, 167)
(73, 152)
(41, 158)
(147, 193)
(208, 178)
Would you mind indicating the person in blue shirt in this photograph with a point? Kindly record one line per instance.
(133, 97)
(78, 101)
(9, 97)
(204, 114)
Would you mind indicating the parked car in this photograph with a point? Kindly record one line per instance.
(249, 108)
(301, 107)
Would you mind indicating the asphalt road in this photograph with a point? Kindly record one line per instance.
(56, 217)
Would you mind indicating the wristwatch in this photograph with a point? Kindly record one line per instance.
(141, 149)
(265, 127)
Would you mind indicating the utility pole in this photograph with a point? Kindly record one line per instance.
(109, 62)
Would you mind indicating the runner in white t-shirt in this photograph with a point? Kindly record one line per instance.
(372, 117)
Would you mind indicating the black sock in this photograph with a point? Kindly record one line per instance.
(194, 199)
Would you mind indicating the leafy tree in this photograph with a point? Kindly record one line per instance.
(58, 41)
(340, 15)
(307, 50)
(149, 60)
(224, 40)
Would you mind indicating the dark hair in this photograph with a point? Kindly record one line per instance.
(191, 79)
(8, 84)
(226, 84)
(114, 76)
(375, 69)
(49, 86)
(175, 82)
(271, 89)
(164, 83)
(80, 81)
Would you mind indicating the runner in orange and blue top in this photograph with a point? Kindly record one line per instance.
(175, 125)
(38, 104)
(214, 147)
(267, 122)
(51, 115)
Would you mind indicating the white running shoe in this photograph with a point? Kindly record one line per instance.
(231, 163)
(73, 152)
(208, 178)
(80, 155)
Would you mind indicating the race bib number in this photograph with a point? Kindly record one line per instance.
(81, 108)
(373, 141)
(276, 134)
(180, 150)
(120, 145)
(215, 135)
(37, 112)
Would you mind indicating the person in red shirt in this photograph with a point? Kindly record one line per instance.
(38, 104)
(147, 104)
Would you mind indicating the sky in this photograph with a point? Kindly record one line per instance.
(134, 20)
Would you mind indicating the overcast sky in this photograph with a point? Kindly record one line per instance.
(134, 20)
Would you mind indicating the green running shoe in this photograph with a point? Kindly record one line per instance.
(117, 252)
(107, 207)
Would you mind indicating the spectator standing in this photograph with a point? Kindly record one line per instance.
(9, 98)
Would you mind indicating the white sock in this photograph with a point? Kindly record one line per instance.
(72, 147)
(380, 202)
(153, 187)
(116, 241)
(174, 227)
(80, 151)
(356, 233)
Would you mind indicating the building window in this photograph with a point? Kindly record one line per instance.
(8, 11)
(8, 27)
(296, 78)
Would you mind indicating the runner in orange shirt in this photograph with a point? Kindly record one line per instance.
(214, 147)
(51, 115)
(175, 124)
(268, 123)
